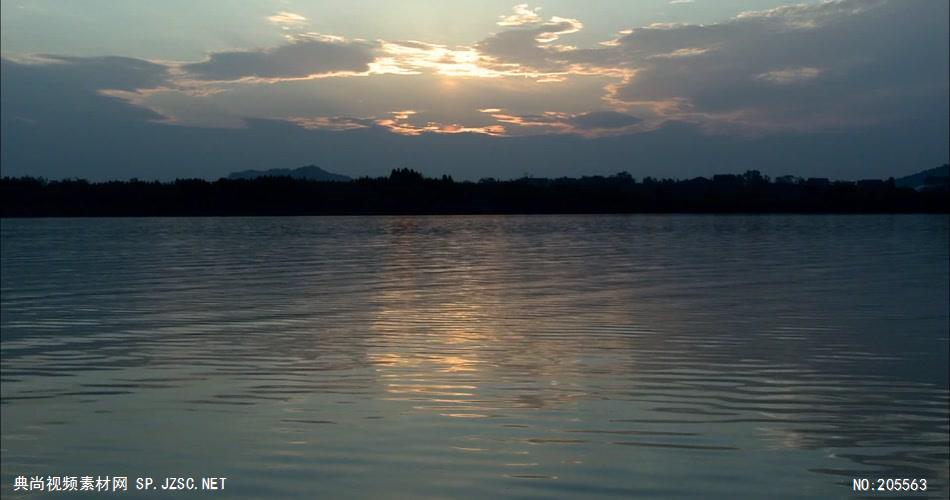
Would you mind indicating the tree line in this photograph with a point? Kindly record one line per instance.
(406, 191)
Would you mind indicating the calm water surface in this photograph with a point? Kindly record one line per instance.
(530, 357)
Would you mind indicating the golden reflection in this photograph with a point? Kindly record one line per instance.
(447, 339)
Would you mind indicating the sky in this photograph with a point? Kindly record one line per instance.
(845, 89)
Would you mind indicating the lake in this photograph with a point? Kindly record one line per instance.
(667, 356)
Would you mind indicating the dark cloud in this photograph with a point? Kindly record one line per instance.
(66, 91)
(301, 58)
(109, 72)
(802, 67)
(515, 46)
(602, 119)
(85, 134)
(530, 44)
(849, 89)
(55, 120)
(839, 63)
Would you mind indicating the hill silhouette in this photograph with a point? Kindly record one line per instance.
(926, 179)
(310, 172)
(405, 191)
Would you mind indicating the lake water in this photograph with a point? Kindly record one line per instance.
(516, 356)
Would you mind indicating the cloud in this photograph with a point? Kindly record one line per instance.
(59, 102)
(438, 98)
(336, 123)
(603, 120)
(98, 73)
(526, 45)
(305, 56)
(68, 93)
(686, 52)
(55, 113)
(756, 91)
(789, 75)
(287, 19)
(588, 124)
(793, 68)
(520, 16)
(798, 68)
(415, 58)
(834, 64)
(401, 122)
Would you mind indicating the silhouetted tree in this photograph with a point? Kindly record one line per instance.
(406, 191)
(405, 176)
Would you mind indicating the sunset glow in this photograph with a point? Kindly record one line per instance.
(522, 70)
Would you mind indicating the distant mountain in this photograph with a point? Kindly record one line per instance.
(927, 177)
(310, 172)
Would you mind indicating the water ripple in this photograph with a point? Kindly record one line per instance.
(658, 356)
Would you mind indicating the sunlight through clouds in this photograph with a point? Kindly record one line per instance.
(527, 78)
(399, 123)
